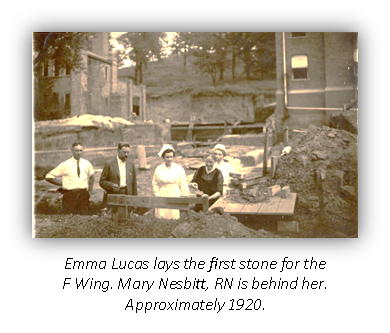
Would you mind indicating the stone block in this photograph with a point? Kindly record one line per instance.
(273, 190)
(285, 192)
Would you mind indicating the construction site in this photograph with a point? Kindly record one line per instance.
(293, 146)
(318, 176)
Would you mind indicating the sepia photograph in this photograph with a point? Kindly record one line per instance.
(195, 134)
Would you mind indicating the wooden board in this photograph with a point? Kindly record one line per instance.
(287, 205)
(270, 206)
(233, 207)
(148, 202)
(251, 208)
(273, 206)
(221, 202)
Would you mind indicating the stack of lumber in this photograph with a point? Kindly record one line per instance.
(242, 180)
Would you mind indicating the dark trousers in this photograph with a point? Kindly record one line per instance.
(75, 202)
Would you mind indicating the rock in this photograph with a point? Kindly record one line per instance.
(348, 191)
(183, 230)
(304, 159)
(338, 234)
(319, 155)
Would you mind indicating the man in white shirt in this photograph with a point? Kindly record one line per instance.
(77, 181)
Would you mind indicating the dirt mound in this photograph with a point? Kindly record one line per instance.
(214, 225)
(336, 153)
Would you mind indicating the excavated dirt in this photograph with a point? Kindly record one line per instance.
(216, 225)
(335, 152)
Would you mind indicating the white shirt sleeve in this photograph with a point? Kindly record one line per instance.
(90, 169)
(57, 172)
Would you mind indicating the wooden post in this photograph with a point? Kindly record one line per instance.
(265, 155)
(141, 157)
(286, 136)
(205, 203)
(274, 162)
(320, 191)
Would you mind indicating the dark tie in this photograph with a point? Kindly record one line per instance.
(78, 168)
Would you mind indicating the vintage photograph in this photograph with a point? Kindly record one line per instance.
(195, 134)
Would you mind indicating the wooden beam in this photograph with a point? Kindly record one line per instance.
(265, 154)
(150, 202)
(228, 129)
(286, 136)
(274, 163)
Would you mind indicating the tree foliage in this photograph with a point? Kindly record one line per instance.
(206, 59)
(61, 49)
(182, 44)
(140, 48)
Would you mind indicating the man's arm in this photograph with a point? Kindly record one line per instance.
(54, 181)
(54, 176)
(105, 183)
(91, 181)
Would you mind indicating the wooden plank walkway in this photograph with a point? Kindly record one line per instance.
(273, 206)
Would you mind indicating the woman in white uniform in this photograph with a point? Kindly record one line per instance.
(220, 153)
(169, 180)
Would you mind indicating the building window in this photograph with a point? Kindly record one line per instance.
(298, 34)
(299, 65)
(46, 69)
(67, 69)
(67, 101)
(56, 101)
(56, 70)
(106, 73)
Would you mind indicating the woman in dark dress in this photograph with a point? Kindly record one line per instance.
(209, 180)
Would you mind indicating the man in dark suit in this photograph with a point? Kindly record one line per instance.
(118, 176)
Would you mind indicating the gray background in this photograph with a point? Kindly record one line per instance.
(32, 298)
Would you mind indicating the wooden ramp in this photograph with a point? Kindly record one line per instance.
(273, 206)
(263, 214)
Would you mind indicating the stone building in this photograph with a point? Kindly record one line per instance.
(317, 74)
(94, 88)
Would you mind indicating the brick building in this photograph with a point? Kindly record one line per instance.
(94, 88)
(317, 74)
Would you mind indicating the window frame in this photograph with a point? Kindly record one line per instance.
(307, 68)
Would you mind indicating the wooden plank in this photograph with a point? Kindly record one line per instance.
(148, 202)
(221, 203)
(287, 206)
(251, 208)
(233, 207)
(237, 175)
(196, 200)
(270, 206)
(229, 130)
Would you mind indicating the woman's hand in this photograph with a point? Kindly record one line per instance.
(193, 185)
